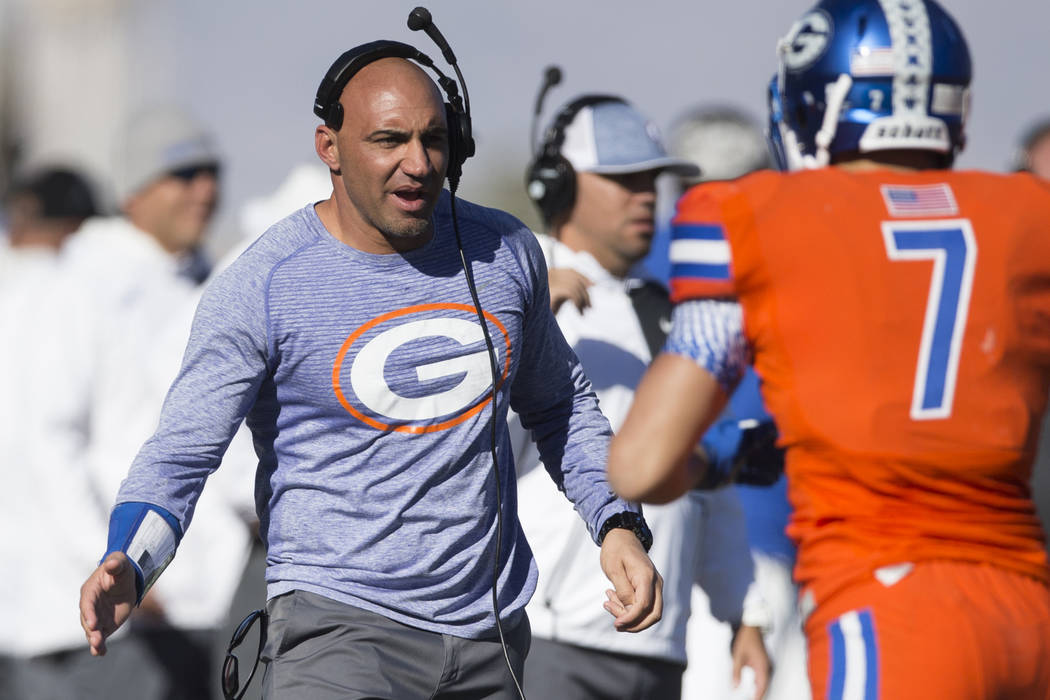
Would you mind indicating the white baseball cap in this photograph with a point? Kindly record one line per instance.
(612, 138)
(156, 142)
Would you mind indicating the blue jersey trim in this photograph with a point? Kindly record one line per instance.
(861, 628)
(871, 654)
(699, 232)
(702, 270)
(837, 682)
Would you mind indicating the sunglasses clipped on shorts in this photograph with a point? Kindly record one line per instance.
(231, 681)
(190, 172)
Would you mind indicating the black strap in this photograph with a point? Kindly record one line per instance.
(652, 305)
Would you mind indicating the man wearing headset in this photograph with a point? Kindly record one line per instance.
(348, 340)
(594, 182)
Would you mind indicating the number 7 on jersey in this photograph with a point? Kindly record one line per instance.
(951, 246)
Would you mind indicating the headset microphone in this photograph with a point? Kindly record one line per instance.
(551, 78)
(420, 18)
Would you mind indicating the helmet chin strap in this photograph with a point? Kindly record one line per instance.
(793, 152)
(834, 97)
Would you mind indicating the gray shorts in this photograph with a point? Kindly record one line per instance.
(321, 649)
(569, 672)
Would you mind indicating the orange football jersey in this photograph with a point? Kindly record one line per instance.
(900, 323)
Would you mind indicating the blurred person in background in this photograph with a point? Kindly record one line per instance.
(895, 310)
(727, 143)
(594, 182)
(304, 183)
(45, 207)
(128, 289)
(1033, 155)
(46, 514)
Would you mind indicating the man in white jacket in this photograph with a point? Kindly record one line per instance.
(43, 556)
(129, 286)
(593, 179)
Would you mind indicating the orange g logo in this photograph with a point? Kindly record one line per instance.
(371, 348)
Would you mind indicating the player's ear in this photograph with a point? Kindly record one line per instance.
(327, 148)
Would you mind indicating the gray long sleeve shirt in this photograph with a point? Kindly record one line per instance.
(365, 381)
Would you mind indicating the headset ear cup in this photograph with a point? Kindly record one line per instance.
(455, 141)
(334, 119)
(563, 195)
(551, 180)
(551, 185)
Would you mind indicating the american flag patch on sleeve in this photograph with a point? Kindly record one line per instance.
(920, 200)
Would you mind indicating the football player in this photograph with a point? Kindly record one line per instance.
(898, 315)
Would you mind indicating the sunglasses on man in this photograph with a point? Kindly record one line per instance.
(231, 682)
(192, 172)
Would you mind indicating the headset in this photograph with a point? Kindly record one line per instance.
(457, 109)
(551, 179)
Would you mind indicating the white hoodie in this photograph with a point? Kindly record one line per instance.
(123, 311)
(567, 606)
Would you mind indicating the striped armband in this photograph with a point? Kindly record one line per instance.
(710, 332)
(148, 535)
(700, 261)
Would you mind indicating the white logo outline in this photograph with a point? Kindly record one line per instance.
(371, 388)
(470, 394)
(807, 40)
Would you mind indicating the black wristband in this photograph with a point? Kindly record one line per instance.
(628, 521)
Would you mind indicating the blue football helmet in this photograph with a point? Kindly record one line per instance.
(869, 75)
(776, 127)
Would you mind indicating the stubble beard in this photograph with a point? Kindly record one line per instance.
(411, 228)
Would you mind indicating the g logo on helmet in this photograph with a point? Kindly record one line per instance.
(806, 41)
(434, 385)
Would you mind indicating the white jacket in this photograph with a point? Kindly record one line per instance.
(567, 606)
(130, 311)
(51, 531)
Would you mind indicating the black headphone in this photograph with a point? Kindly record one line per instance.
(551, 180)
(327, 107)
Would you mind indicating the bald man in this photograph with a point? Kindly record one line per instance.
(347, 338)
